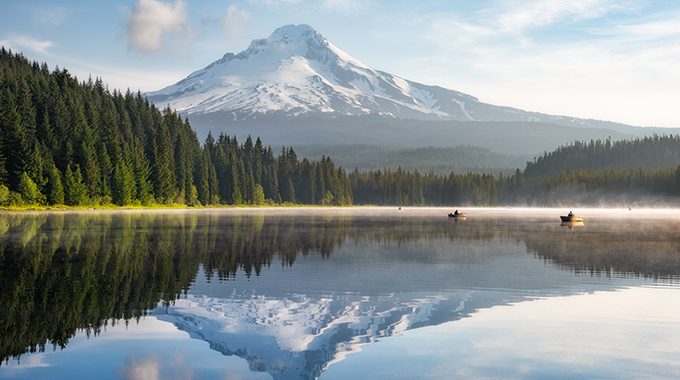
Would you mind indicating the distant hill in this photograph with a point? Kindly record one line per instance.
(438, 160)
(524, 138)
(648, 152)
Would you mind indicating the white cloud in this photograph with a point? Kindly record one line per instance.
(153, 367)
(152, 21)
(21, 43)
(519, 16)
(234, 21)
(27, 362)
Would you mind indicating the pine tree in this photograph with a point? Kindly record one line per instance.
(85, 154)
(142, 174)
(4, 195)
(249, 196)
(105, 171)
(235, 182)
(305, 192)
(122, 184)
(28, 190)
(55, 188)
(258, 196)
(270, 181)
(202, 179)
(75, 193)
(13, 139)
(163, 178)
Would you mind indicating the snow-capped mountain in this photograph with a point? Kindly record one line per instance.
(296, 71)
(299, 336)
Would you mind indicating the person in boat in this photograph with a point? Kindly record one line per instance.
(455, 213)
(571, 214)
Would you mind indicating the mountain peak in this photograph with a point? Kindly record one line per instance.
(289, 40)
(295, 32)
(297, 71)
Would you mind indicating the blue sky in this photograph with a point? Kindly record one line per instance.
(600, 59)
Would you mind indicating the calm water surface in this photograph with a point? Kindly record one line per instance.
(365, 293)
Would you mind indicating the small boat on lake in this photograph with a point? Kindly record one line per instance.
(457, 215)
(571, 218)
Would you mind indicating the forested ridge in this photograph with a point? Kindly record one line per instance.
(64, 142)
(643, 171)
(648, 152)
(461, 159)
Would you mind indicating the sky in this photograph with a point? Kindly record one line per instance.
(600, 59)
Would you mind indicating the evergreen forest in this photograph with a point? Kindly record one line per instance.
(65, 142)
(70, 143)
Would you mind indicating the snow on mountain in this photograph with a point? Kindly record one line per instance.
(299, 336)
(297, 71)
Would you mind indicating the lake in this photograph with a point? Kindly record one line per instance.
(340, 293)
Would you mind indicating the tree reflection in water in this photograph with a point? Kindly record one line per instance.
(61, 273)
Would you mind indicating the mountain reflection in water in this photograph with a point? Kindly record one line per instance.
(291, 291)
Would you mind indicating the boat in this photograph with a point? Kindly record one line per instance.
(459, 215)
(571, 218)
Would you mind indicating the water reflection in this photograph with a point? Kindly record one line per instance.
(610, 246)
(571, 225)
(293, 292)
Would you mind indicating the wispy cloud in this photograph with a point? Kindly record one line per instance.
(152, 21)
(344, 6)
(276, 4)
(516, 20)
(553, 56)
(658, 28)
(21, 43)
(517, 16)
(52, 15)
(232, 23)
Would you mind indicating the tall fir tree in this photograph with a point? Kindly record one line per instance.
(122, 184)
(75, 193)
(163, 178)
(55, 188)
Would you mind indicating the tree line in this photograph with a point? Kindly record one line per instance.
(69, 143)
(641, 170)
(647, 152)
